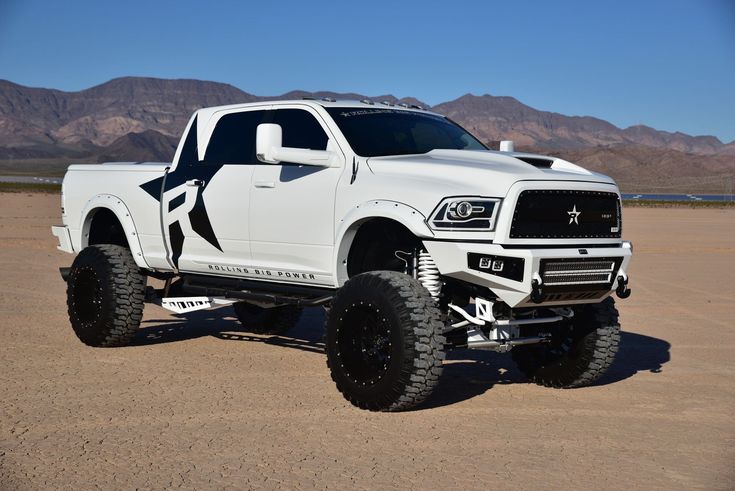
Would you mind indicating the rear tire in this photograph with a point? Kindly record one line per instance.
(105, 294)
(259, 320)
(383, 341)
(579, 353)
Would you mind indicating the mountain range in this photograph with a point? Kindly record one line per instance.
(135, 118)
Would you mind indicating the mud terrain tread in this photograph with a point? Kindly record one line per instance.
(421, 324)
(123, 298)
(598, 346)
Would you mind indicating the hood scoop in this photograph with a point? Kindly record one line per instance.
(537, 161)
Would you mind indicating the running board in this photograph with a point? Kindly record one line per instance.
(184, 305)
(261, 293)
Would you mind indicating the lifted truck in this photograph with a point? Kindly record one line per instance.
(412, 234)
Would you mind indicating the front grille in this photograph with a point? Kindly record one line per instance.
(578, 272)
(566, 214)
(578, 266)
(578, 278)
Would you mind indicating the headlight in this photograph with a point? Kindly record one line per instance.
(465, 214)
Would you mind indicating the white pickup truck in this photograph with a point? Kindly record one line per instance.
(412, 234)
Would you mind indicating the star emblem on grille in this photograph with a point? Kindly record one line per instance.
(574, 215)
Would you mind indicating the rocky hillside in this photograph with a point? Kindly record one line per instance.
(136, 118)
(104, 113)
(505, 118)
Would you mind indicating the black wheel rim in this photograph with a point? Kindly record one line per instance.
(87, 297)
(365, 345)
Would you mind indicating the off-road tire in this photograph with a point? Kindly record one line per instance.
(580, 352)
(259, 320)
(105, 293)
(384, 318)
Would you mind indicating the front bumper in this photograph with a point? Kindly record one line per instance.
(512, 273)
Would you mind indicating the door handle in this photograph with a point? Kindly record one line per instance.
(195, 183)
(265, 184)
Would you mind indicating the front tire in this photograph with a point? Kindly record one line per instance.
(105, 294)
(383, 341)
(580, 351)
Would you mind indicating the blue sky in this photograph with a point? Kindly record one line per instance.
(667, 64)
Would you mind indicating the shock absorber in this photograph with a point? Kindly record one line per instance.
(428, 274)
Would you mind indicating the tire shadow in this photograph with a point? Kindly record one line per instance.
(470, 373)
(467, 373)
(222, 324)
(637, 353)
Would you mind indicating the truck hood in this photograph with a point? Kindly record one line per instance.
(485, 173)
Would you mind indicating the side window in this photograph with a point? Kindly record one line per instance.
(233, 139)
(300, 129)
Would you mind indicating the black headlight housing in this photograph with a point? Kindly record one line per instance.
(466, 214)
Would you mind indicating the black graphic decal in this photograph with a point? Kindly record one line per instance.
(176, 202)
(188, 168)
(177, 241)
(200, 222)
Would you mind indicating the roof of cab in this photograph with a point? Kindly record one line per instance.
(206, 112)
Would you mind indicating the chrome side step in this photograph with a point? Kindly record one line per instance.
(184, 305)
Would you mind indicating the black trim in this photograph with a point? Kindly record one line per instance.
(263, 291)
(525, 246)
(468, 241)
(536, 161)
(511, 267)
(257, 285)
(559, 246)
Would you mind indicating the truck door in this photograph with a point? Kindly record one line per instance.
(205, 215)
(292, 205)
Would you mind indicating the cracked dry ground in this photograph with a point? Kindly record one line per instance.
(197, 403)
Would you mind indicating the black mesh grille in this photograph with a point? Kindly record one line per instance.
(552, 214)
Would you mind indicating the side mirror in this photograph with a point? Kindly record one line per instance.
(268, 138)
(269, 149)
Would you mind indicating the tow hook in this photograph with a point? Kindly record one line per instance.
(537, 292)
(622, 291)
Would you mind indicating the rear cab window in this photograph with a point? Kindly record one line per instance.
(233, 138)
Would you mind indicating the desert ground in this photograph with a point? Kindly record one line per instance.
(197, 403)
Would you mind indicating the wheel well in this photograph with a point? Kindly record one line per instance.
(105, 228)
(375, 244)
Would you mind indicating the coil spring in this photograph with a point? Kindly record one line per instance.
(428, 274)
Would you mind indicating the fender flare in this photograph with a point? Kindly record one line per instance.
(121, 211)
(347, 228)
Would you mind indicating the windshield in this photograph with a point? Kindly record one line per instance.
(385, 131)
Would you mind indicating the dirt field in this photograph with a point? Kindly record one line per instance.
(199, 404)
